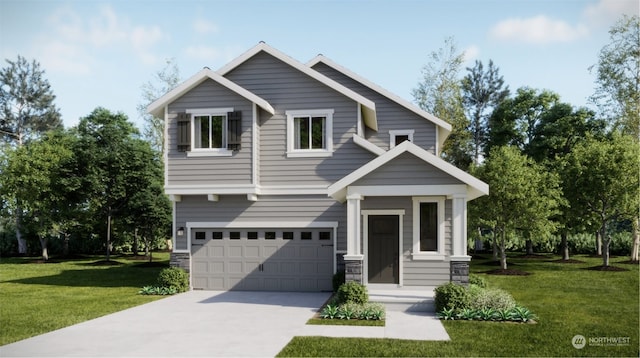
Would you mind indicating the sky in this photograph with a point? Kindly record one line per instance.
(100, 53)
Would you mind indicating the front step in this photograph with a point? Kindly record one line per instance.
(405, 300)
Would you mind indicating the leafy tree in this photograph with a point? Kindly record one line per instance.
(618, 76)
(163, 81)
(439, 93)
(604, 187)
(522, 200)
(109, 148)
(41, 177)
(515, 119)
(482, 90)
(26, 110)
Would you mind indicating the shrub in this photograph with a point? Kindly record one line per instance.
(451, 296)
(174, 277)
(338, 280)
(477, 281)
(352, 292)
(495, 298)
(155, 290)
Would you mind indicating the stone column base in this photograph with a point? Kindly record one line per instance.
(181, 260)
(459, 272)
(353, 271)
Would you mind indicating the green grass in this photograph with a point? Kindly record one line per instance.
(345, 322)
(36, 298)
(567, 299)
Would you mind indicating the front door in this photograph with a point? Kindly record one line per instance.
(383, 255)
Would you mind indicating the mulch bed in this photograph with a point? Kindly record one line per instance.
(508, 272)
(151, 264)
(497, 263)
(569, 261)
(533, 256)
(629, 262)
(106, 263)
(606, 268)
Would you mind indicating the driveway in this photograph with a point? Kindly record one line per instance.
(213, 324)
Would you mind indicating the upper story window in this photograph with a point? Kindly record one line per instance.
(310, 133)
(209, 131)
(398, 136)
(428, 228)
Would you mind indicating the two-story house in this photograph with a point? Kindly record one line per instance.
(281, 173)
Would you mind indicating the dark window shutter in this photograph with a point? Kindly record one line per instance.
(184, 132)
(234, 130)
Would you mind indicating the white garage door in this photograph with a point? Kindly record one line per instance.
(262, 259)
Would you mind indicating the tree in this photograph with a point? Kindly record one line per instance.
(604, 186)
(522, 200)
(40, 176)
(618, 77)
(481, 92)
(110, 153)
(439, 93)
(618, 87)
(163, 81)
(26, 110)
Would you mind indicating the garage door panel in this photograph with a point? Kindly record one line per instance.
(263, 259)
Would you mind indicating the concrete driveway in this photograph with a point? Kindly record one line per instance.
(213, 324)
(196, 323)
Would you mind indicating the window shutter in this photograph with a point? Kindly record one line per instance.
(184, 132)
(234, 130)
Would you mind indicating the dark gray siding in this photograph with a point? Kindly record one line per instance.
(210, 170)
(289, 89)
(407, 169)
(416, 272)
(391, 115)
(237, 208)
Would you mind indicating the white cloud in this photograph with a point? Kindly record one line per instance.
(471, 53)
(204, 27)
(606, 12)
(537, 30)
(73, 43)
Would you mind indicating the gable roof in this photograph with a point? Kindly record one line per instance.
(444, 127)
(476, 187)
(157, 107)
(368, 106)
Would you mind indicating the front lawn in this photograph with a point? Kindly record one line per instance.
(568, 300)
(36, 298)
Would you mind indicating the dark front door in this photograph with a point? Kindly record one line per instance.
(383, 248)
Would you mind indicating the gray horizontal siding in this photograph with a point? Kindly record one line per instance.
(407, 169)
(391, 115)
(210, 170)
(236, 208)
(416, 272)
(289, 89)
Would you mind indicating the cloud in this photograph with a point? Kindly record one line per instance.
(537, 30)
(74, 44)
(204, 27)
(606, 12)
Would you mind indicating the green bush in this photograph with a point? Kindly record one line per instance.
(174, 277)
(451, 296)
(352, 292)
(493, 298)
(477, 281)
(338, 280)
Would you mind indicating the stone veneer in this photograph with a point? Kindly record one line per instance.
(459, 272)
(353, 271)
(181, 260)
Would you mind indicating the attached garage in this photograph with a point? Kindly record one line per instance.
(262, 259)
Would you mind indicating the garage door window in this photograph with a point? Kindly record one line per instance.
(270, 235)
(305, 235)
(217, 235)
(234, 235)
(252, 235)
(201, 235)
(287, 235)
(325, 235)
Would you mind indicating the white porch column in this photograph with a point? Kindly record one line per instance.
(459, 228)
(354, 245)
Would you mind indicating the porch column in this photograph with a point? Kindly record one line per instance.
(353, 258)
(459, 266)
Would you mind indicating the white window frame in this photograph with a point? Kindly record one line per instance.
(209, 152)
(292, 152)
(428, 255)
(397, 132)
